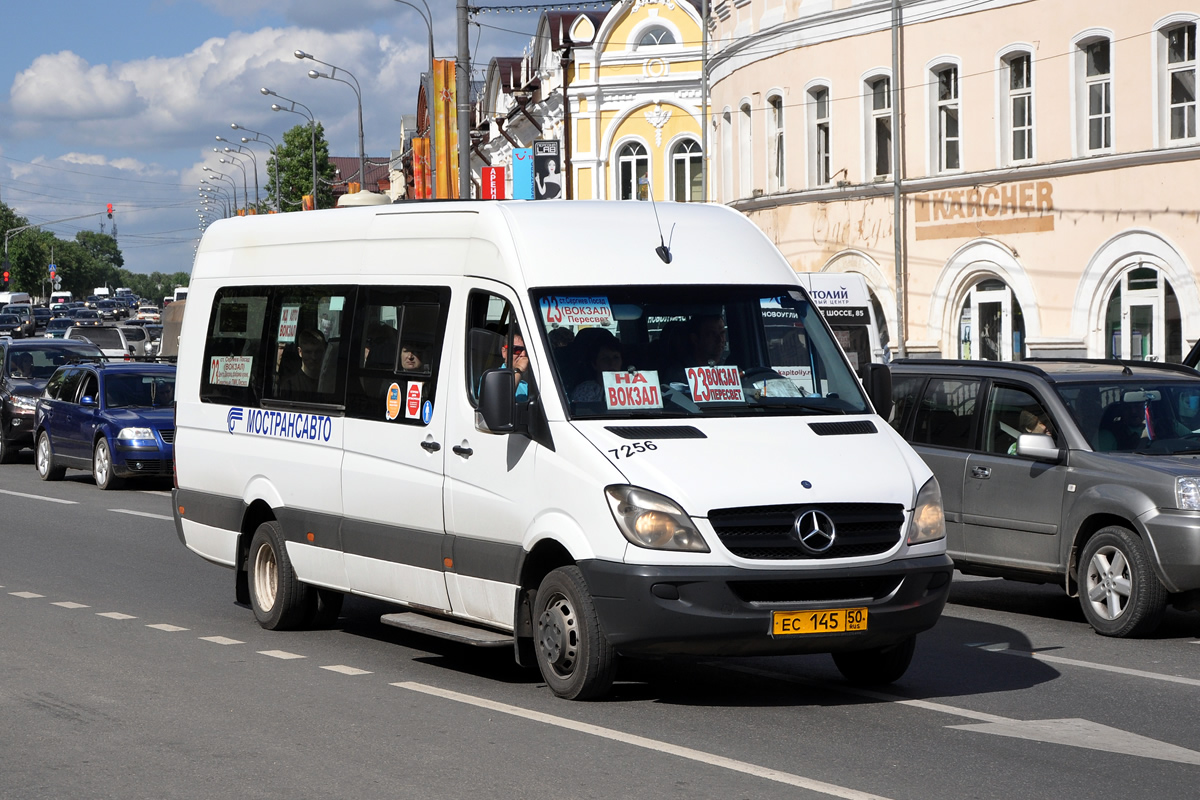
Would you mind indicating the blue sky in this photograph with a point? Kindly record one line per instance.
(120, 102)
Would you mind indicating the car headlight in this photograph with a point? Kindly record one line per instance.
(928, 520)
(136, 434)
(1187, 493)
(652, 521)
(23, 403)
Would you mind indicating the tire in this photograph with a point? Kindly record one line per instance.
(1118, 590)
(8, 453)
(280, 601)
(43, 459)
(878, 666)
(573, 654)
(102, 467)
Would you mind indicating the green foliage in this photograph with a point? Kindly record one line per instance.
(295, 169)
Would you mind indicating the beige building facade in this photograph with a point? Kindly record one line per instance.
(1049, 178)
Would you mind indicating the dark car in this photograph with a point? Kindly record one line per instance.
(24, 312)
(25, 366)
(108, 310)
(41, 316)
(56, 327)
(11, 325)
(116, 419)
(85, 317)
(1074, 472)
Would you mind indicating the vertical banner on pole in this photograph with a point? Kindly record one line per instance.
(547, 169)
(420, 167)
(439, 140)
(522, 173)
(493, 183)
(452, 126)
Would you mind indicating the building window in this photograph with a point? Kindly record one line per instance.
(879, 155)
(727, 156)
(687, 177)
(745, 153)
(778, 180)
(1181, 81)
(947, 119)
(656, 37)
(1018, 71)
(633, 172)
(819, 136)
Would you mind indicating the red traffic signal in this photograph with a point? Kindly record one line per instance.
(6, 276)
(110, 210)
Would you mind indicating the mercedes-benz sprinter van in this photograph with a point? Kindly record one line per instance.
(579, 430)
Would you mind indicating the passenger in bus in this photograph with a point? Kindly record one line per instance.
(594, 352)
(517, 359)
(302, 384)
(411, 357)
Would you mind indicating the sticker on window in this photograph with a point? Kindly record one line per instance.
(393, 401)
(801, 376)
(715, 384)
(625, 391)
(229, 370)
(576, 311)
(412, 405)
(289, 317)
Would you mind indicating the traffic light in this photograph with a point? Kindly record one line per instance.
(6, 277)
(110, 210)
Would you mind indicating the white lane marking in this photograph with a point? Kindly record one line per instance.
(142, 514)
(1001, 647)
(1088, 734)
(114, 615)
(279, 654)
(40, 497)
(26, 595)
(220, 640)
(162, 626)
(69, 604)
(151, 491)
(343, 669)
(710, 759)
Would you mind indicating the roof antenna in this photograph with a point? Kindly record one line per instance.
(664, 248)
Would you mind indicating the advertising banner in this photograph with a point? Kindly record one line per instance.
(493, 183)
(547, 168)
(522, 173)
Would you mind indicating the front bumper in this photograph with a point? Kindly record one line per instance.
(726, 611)
(18, 428)
(132, 462)
(1174, 538)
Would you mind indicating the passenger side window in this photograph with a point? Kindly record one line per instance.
(233, 354)
(1011, 412)
(494, 340)
(309, 327)
(945, 413)
(905, 391)
(89, 386)
(55, 384)
(398, 335)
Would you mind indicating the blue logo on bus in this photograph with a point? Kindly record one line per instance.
(233, 418)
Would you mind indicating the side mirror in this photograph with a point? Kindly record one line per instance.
(877, 380)
(497, 404)
(87, 400)
(1038, 446)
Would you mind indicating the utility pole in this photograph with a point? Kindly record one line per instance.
(897, 210)
(462, 90)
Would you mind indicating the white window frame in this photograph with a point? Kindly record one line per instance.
(684, 161)
(727, 155)
(1165, 72)
(776, 141)
(1081, 85)
(935, 136)
(620, 160)
(1007, 96)
(875, 116)
(745, 128)
(820, 134)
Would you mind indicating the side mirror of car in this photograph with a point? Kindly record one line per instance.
(1038, 446)
(877, 380)
(87, 400)
(497, 404)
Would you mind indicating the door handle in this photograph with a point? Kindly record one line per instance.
(981, 472)
(431, 446)
(462, 450)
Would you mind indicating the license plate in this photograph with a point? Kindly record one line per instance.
(837, 620)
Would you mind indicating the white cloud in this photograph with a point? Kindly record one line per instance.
(63, 86)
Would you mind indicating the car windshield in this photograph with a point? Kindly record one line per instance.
(139, 391)
(38, 363)
(134, 334)
(62, 323)
(107, 338)
(687, 351)
(9, 319)
(1160, 417)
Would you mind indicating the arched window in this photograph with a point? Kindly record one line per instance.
(1143, 322)
(820, 142)
(991, 324)
(1177, 82)
(686, 174)
(777, 176)
(727, 156)
(745, 153)
(879, 127)
(1016, 110)
(656, 37)
(633, 166)
(1093, 92)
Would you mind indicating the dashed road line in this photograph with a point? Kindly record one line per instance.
(283, 654)
(700, 756)
(220, 640)
(162, 626)
(154, 492)
(26, 595)
(142, 514)
(39, 497)
(69, 604)
(343, 669)
(114, 615)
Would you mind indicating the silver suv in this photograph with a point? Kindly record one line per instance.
(1084, 473)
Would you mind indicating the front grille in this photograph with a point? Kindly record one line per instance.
(766, 532)
(823, 590)
(149, 465)
(167, 434)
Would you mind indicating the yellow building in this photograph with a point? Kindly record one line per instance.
(632, 121)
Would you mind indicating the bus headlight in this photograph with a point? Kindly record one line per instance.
(652, 521)
(928, 520)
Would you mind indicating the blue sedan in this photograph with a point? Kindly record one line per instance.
(115, 419)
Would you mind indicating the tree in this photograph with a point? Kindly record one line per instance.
(295, 169)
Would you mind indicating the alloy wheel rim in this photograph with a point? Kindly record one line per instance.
(102, 465)
(1109, 583)
(43, 455)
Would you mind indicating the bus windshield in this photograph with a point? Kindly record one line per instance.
(686, 351)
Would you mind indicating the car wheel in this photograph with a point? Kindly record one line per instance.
(8, 453)
(573, 654)
(43, 459)
(280, 601)
(102, 466)
(1119, 592)
(877, 666)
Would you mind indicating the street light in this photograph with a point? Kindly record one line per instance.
(244, 151)
(314, 74)
(428, 18)
(242, 167)
(312, 125)
(274, 152)
(225, 177)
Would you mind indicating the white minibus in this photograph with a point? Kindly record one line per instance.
(578, 430)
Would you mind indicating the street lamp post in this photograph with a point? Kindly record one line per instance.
(243, 152)
(212, 192)
(312, 124)
(428, 17)
(314, 74)
(230, 159)
(274, 151)
(226, 178)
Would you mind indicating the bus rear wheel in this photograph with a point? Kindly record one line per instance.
(280, 601)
